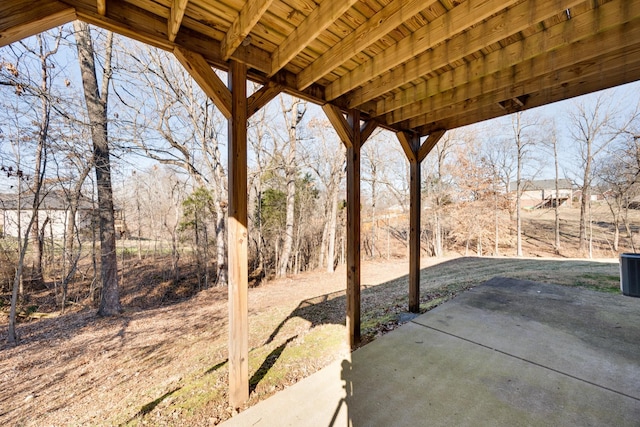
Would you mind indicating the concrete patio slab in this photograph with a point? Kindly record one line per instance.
(507, 353)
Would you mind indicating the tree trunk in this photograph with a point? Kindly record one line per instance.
(97, 112)
(556, 205)
(290, 177)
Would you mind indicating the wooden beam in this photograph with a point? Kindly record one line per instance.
(324, 15)
(376, 27)
(486, 108)
(407, 142)
(340, 124)
(248, 17)
(367, 129)
(597, 55)
(102, 7)
(559, 42)
(206, 78)
(19, 19)
(131, 21)
(518, 18)
(238, 237)
(353, 136)
(442, 28)
(353, 231)
(261, 97)
(175, 19)
(428, 145)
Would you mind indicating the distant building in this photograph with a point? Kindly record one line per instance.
(54, 209)
(542, 193)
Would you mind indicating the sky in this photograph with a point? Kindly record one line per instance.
(627, 95)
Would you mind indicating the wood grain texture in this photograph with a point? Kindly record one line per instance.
(541, 53)
(324, 15)
(248, 17)
(380, 24)
(238, 239)
(496, 29)
(442, 28)
(175, 18)
(18, 20)
(207, 79)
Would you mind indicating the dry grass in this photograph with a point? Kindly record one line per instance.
(163, 362)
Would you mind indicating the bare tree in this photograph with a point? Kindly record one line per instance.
(327, 160)
(96, 99)
(293, 114)
(524, 143)
(593, 127)
(184, 131)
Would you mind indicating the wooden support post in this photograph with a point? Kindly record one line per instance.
(415, 154)
(414, 237)
(353, 231)
(238, 236)
(411, 144)
(353, 136)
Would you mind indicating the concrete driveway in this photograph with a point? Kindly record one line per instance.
(507, 353)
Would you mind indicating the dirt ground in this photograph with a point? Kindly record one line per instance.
(79, 369)
(162, 361)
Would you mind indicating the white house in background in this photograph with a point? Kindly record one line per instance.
(542, 193)
(53, 209)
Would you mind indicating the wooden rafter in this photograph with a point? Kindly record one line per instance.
(364, 36)
(101, 5)
(248, 17)
(551, 48)
(178, 8)
(554, 68)
(519, 18)
(324, 15)
(18, 22)
(446, 26)
(485, 107)
(206, 78)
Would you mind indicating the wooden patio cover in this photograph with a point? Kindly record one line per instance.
(415, 67)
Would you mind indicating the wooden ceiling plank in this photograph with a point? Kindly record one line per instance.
(18, 21)
(248, 17)
(206, 78)
(578, 28)
(322, 17)
(514, 20)
(579, 72)
(380, 24)
(624, 60)
(178, 8)
(488, 110)
(437, 31)
(582, 47)
(261, 97)
(340, 124)
(431, 142)
(102, 7)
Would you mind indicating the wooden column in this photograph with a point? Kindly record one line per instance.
(353, 136)
(238, 236)
(353, 231)
(232, 102)
(411, 144)
(415, 154)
